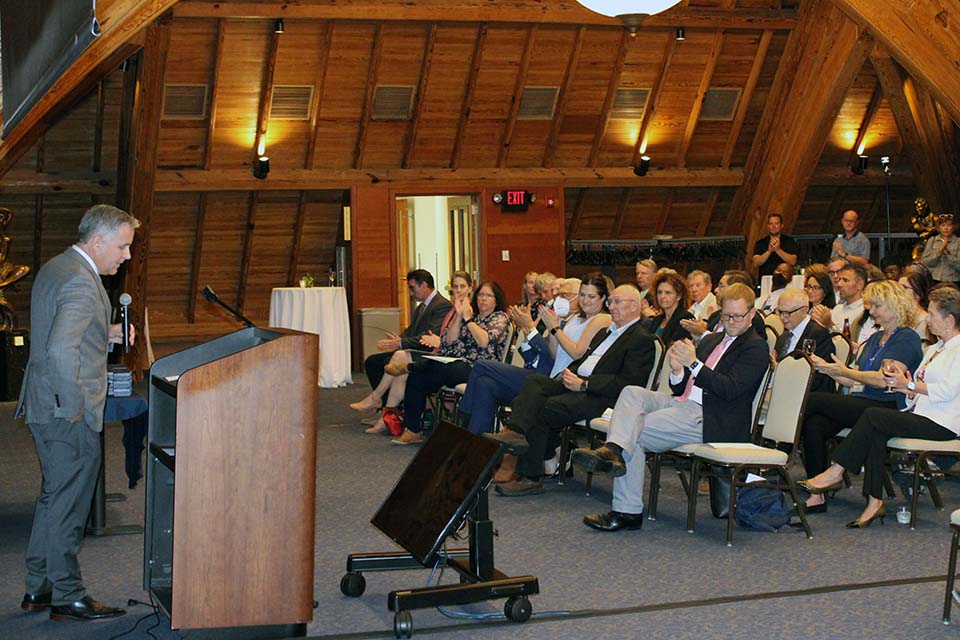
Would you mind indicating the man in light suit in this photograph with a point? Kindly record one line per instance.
(710, 400)
(427, 317)
(62, 400)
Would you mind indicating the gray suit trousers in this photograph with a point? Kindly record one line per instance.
(69, 454)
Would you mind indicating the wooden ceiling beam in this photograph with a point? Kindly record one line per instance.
(578, 207)
(471, 87)
(298, 239)
(938, 148)
(196, 259)
(31, 182)
(410, 143)
(711, 204)
(653, 100)
(553, 138)
(282, 179)
(247, 250)
(517, 96)
(95, 165)
(266, 91)
(516, 11)
(705, 81)
(833, 214)
(664, 213)
(214, 95)
(745, 97)
(921, 36)
(622, 207)
(373, 70)
(318, 87)
(594, 157)
(872, 107)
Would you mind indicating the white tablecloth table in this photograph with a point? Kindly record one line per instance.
(320, 310)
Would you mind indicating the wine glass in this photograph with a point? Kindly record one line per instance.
(809, 346)
(890, 368)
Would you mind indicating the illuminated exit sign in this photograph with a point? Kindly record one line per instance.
(513, 200)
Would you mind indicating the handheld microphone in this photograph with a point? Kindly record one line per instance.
(125, 301)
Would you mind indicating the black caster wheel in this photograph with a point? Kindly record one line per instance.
(518, 609)
(403, 625)
(353, 584)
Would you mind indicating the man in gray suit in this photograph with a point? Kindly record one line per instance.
(62, 399)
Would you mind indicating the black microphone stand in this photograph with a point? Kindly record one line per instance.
(209, 294)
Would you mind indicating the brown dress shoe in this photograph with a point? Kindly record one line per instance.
(507, 470)
(520, 487)
(407, 437)
(84, 609)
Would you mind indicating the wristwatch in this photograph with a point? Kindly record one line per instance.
(583, 386)
(695, 367)
(911, 386)
(553, 331)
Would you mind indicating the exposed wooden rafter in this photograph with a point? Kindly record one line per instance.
(366, 111)
(622, 49)
(707, 213)
(196, 259)
(875, 98)
(515, 99)
(247, 249)
(214, 95)
(298, 238)
(266, 88)
(705, 81)
(318, 88)
(563, 98)
(653, 100)
(622, 206)
(664, 212)
(532, 11)
(745, 97)
(410, 143)
(471, 87)
(578, 207)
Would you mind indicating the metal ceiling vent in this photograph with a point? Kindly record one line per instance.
(291, 102)
(629, 103)
(185, 101)
(538, 103)
(392, 102)
(720, 104)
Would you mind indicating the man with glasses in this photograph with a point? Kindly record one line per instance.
(699, 328)
(799, 331)
(851, 245)
(621, 355)
(711, 395)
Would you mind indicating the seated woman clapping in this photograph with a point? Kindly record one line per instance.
(932, 412)
(394, 382)
(673, 298)
(478, 331)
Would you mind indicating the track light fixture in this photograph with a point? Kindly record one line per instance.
(261, 167)
(278, 25)
(861, 166)
(644, 166)
(681, 34)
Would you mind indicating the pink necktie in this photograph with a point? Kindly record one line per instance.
(711, 362)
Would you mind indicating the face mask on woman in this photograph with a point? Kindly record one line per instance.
(561, 306)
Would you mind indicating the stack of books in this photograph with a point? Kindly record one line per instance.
(119, 381)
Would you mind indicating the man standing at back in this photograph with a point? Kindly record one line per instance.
(62, 399)
(775, 249)
(851, 245)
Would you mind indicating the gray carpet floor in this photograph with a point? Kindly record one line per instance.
(660, 582)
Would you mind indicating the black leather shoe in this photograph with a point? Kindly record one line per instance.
(602, 460)
(614, 521)
(37, 602)
(85, 609)
(512, 441)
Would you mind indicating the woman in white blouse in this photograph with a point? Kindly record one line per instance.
(932, 413)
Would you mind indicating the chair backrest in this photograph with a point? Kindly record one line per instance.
(842, 346)
(663, 376)
(773, 320)
(659, 356)
(772, 335)
(508, 342)
(788, 399)
(759, 395)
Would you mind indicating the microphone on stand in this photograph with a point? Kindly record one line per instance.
(125, 301)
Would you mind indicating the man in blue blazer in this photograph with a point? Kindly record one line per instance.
(712, 388)
(62, 399)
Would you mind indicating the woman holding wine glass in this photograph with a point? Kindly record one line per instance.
(933, 410)
(829, 413)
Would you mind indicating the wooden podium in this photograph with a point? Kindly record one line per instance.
(231, 468)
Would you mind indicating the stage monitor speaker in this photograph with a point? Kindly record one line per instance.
(438, 488)
(14, 354)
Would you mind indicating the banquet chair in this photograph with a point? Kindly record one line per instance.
(919, 451)
(772, 319)
(772, 335)
(791, 386)
(842, 347)
(952, 565)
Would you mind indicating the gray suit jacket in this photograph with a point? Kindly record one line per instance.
(66, 374)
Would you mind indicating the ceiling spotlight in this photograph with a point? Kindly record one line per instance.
(278, 25)
(861, 166)
(644, 166)
(261, 167)
(681, 34)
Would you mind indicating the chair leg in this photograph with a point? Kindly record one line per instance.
(888, 483)
(564, 452)
(801, 508)
(931, 483)
(915, 496)
(951, 574)
(655, 465)
(692, 495)
(683, 478)
(731, 509)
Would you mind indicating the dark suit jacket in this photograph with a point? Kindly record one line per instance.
(539, 347)
(628, 361)
(428, 319)
(825, 349)
(673, 331)
(729, 388)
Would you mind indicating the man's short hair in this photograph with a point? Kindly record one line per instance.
(793, 293)
(543, 281)
(858, 272)
(775, 215)
(421, 276)
(103, 220)
(737, 276)
(700, 274)
(649, 264)
(739, 291)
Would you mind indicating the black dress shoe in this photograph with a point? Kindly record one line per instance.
(512, 441)
(37, 602)
(85, 609)
(614, 521)
(602, 460)
(817, 508)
